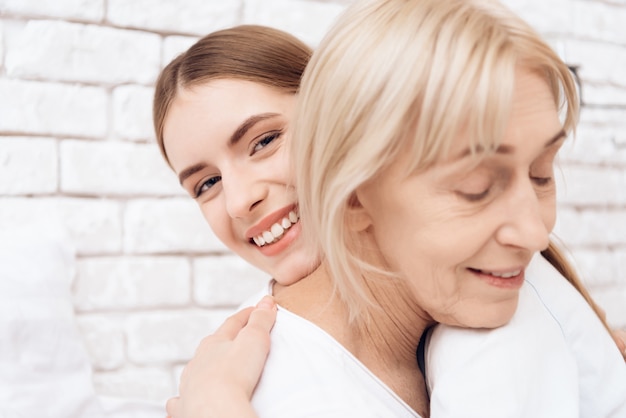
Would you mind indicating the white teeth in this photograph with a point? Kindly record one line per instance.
(504, 275)
(267, 236)
(277, 230)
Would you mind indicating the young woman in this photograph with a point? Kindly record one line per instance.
(429, 283)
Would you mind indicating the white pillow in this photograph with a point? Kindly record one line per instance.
(44, 368)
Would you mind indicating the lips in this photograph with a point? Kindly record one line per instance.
(503, 275)
(504, 279)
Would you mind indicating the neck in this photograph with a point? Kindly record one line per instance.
(384, 339)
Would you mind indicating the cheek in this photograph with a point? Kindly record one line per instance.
(297, 265)
(548, 213)
(220, 223)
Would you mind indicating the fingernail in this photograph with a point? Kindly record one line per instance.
(266, 303)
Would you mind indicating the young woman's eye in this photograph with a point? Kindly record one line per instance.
(206, 185)
(265, 141)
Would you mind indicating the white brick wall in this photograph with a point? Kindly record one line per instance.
(76, 143)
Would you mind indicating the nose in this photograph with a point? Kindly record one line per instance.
(528, 219)
(242, 193)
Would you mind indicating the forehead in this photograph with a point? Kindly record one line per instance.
(533, 117)
(225, 98)
(206, 115)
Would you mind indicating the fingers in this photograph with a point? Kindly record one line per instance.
(234, 323)
(260, 323)
(171, 407)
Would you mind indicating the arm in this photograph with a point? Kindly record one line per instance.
(220, 379)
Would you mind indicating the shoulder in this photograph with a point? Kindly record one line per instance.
(308, 373)
(602, 371)
(524, 368)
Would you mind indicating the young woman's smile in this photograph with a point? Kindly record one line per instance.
(226, 142)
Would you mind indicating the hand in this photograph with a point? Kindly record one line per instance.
(220, 379)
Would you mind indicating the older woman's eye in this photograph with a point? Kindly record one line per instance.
(265, 141)
(206, 185)
(475, 197)
(542, 181)
(542, 175)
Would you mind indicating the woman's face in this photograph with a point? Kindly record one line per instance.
(462, 232)
(226, 141)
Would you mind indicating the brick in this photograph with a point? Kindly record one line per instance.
(118, 283)
(604, 95)
(28, 166)
(620, 256)
(36, 108)
(177, 372)
(591, 228)
(597, 267)
(115, 168)
(611, 299)
(132, 112)
(93, 225)
(599, 63)
(596, 117)
(545, 17)
(175, 45)
(307, 20)
(1, 44)
(167, 226)
(89, 10)
(56, 50)
(179, 16)
(591, 186)
(225, 281)
(162, 337)
(598, 143)
(598, 20)
(105, 340)
(147, 383)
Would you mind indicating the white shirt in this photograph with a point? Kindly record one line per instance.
(553, 359)
(309, 374)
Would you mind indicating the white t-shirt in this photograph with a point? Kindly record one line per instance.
(553, 359)
(309, 374)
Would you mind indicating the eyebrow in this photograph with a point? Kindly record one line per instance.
(234, 138)
(190, 171)
(247, 124)
(507, 149)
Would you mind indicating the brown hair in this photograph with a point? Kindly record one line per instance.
(556, 257)
(248, 52)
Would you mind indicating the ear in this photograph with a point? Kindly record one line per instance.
(357, 217)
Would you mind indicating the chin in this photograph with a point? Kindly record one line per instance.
(293, 273)
(487, 316)
(499, 315)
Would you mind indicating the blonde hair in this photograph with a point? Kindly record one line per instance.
(254, 53)
(397, 76)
